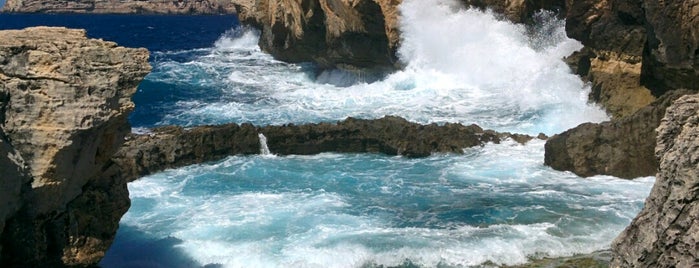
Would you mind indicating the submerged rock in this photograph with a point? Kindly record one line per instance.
(622, 147)
(64, 105)
(121, 6)
(666, 232)
(172, 146)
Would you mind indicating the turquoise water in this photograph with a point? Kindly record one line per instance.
(493, 204)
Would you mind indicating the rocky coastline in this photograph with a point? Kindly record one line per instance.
(174, 146)
(65, 187)
(178, 7)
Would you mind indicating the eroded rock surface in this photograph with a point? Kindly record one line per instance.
(623, 148)
(635, 50)
(666, 232)
(64, 113)
(333, 33)
(172, 146)
(121, 6)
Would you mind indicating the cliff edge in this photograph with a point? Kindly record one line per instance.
(666, 232)
(64, 102)
(121, 6)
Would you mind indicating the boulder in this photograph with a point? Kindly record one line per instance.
(622, 147)
(666, 232)
(64, 114)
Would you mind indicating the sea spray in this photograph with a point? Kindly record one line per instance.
(462, 66)
(496, 203)
(264, 150)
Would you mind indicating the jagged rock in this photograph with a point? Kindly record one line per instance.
(349, 34)
(121, 6)
(635, 50)
(333, 33)
(666, 232)
(614, 36)
(172, 146)
(65, 113)
(622, 147)
(672, 55)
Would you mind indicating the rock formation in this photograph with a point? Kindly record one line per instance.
(333, 33)
(623, 148)
(171, 146)
(635, 50)
(666, 232)
(349, 34)
(121, 6)
(64, 102)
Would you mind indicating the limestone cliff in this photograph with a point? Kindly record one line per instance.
(172, 146)
(121, 6)
(64, 107)
(635, 50)
(666, 232)
(333, 33)
(350, 34)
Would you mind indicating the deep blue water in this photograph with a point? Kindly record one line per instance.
(496, 203)
(154, 32)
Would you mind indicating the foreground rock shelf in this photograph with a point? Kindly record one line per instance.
(172, 146)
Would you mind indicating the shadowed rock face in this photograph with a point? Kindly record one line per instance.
(666, 232)
(635, 50)
(121, 6)
(333, 33)
(171, 147)
(64, 102)
(623, 148)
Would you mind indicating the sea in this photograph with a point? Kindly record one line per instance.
(493, 205)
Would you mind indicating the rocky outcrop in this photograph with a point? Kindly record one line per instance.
(350, 34)
(121, 6)
(623, 148)
(64, 107)
(333, 33)
(172, 146)
(635, 50)
(666, 232)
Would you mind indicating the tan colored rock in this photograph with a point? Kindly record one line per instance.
(65, 114)
(121, 6)
(350, 34)
(666, 232)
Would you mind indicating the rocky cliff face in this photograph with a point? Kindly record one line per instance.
(635, 50)
(350, 34)
(333, 33)
(172, 146)
(121, 6)
(666, 232)
(64, 107)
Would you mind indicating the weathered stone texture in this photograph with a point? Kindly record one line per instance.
(171, 146)
(65, 111)
(666, 232)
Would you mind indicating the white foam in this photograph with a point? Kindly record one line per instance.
(462, 66)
